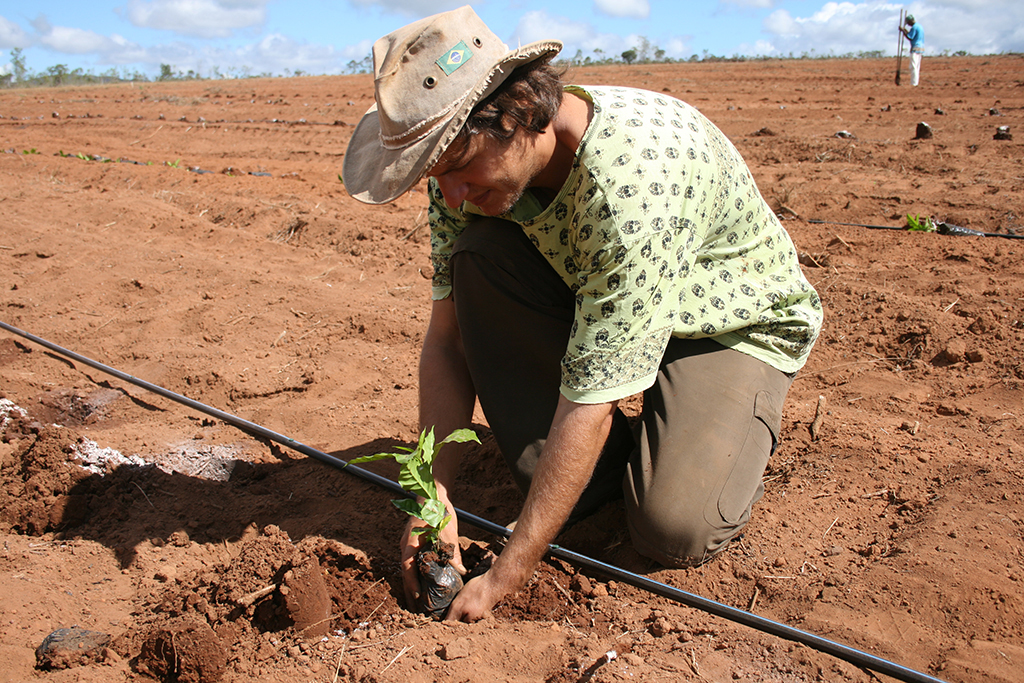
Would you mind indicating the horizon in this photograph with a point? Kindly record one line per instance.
(238, 38)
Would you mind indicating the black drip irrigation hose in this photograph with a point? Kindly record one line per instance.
(848, 654)
(941, 228)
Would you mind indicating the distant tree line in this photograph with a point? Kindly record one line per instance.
(644, 52)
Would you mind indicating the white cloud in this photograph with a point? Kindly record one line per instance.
(837, 28)
(414, 8)
(575, 35)
(849, 27)
(201, 18)
(12, 35)
(581, 39)
(273, 54)
(632, 9)
(74, 41)
(756, 4)
(679, 47)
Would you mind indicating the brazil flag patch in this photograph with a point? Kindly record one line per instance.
(454, 58)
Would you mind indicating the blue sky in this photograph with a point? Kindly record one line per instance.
(281, 37)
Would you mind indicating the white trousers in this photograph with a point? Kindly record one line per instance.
(915, 68)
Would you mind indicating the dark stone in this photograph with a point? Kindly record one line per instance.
(68, 647)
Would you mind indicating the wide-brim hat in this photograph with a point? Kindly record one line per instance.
(428, 76)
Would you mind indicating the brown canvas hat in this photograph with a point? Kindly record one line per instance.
(428, 76)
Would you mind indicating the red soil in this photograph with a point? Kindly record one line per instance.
(895, 528)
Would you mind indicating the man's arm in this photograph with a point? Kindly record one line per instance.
(447, 399)
(573, 446)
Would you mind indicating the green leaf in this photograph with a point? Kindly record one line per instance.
(417, 477)
(433, 512)
(409, 506)
(461, 436)
(916, 223)
(378, 456)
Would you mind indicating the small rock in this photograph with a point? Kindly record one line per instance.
(845, 134)
(924, 131)
(1002, 133)
(660, 627)
(68, 647)
(955, 351)
(975, 356)
(632, 659)
(994, 112)
(179, 539)
(457, 649)
(830, 594)
(582, 584)
(939, 112)
(910, 427)
(165, 574)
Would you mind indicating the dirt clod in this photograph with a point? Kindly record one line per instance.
(68, 647)
(183, 650)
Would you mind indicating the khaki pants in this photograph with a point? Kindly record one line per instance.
(691, 470)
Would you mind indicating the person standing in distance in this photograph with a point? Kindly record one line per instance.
(915, 35)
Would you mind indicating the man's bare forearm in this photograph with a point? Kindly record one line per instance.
(570, 453)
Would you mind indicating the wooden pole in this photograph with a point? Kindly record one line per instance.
(899, 46)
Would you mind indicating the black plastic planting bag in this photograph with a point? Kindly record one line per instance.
(440, 582)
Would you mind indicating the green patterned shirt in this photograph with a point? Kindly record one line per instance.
(660, 232)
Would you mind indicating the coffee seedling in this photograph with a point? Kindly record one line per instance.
(439, 581)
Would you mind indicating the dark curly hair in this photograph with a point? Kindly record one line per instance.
(529, 99)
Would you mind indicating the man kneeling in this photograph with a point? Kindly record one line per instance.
(588, 244)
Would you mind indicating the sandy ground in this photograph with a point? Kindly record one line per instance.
(227, 264)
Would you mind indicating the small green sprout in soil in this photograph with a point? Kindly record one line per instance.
(438, 579)
(917, 223)
(417, 477)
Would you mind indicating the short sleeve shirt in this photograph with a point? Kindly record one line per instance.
(660, 232)
(916, 37)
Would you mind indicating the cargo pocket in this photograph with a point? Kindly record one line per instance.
(743, 486)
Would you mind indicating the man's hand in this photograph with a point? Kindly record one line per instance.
(475, 600)
(411, 543)
(578, 433)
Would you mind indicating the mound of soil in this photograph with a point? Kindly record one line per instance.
(196, 235)
(182, 649)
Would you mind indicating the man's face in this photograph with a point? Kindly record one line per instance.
(491, 174)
